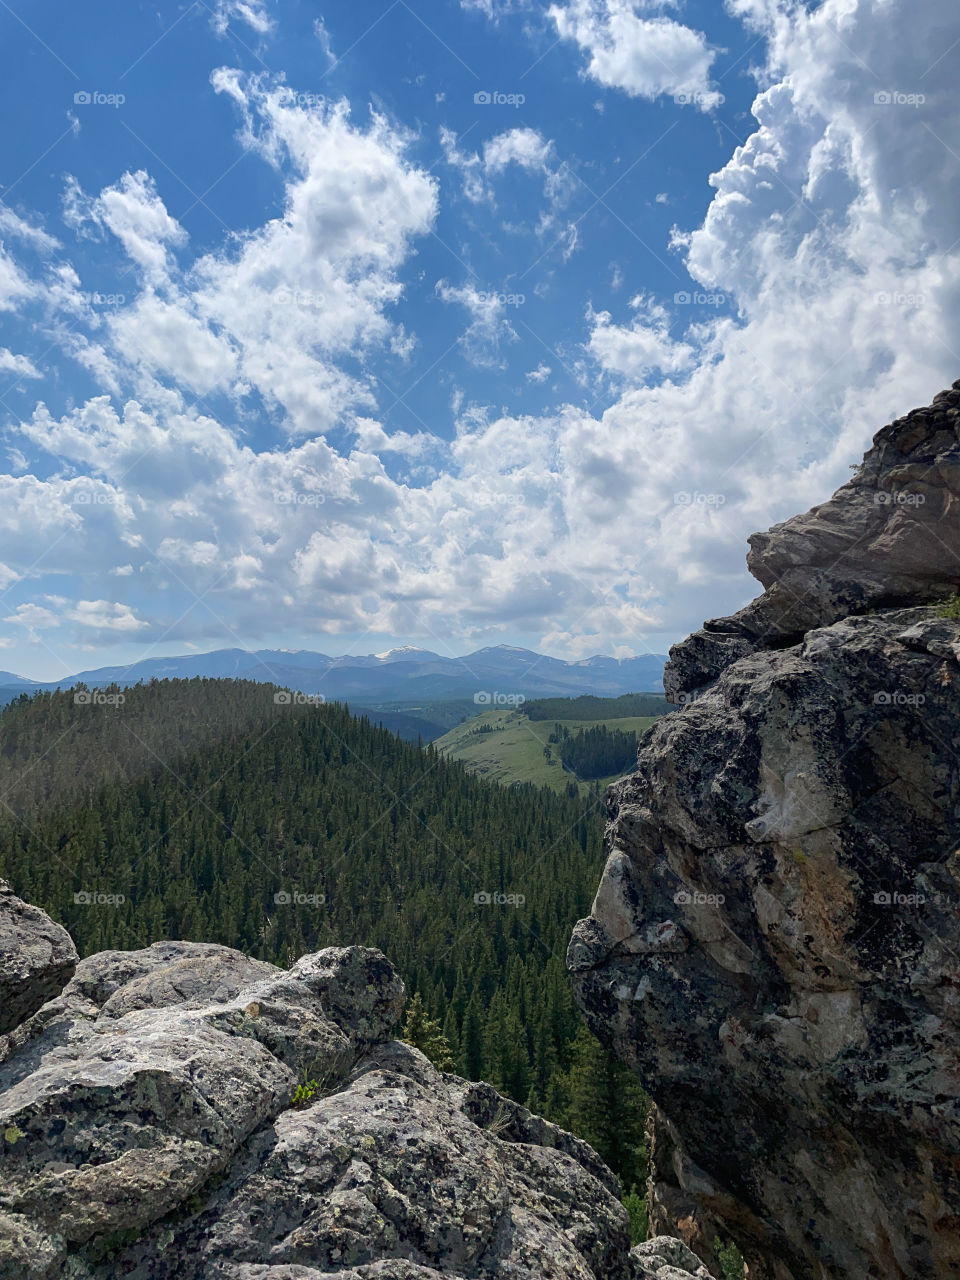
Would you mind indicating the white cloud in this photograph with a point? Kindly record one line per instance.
(833, 230)
(524, 147)
(631, 45)
(133, 211)
(540, 374)
(169, 338)
(105, 615)
(489, 328)
(640, 348)
(494, 9)
(255, 13)
(11, 224)
(323, 35)
(35, 618)
(278, 309)
(19, 365)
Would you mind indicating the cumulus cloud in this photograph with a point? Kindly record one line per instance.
(133, 211)
(524, 147)
(276, 311)
(832, 233)
(632, 45)
(644, 346)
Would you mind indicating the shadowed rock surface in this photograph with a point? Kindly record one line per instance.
(774, 945)
(149, 1129)
(37, 958)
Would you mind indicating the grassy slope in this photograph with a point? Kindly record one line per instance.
(514, 751)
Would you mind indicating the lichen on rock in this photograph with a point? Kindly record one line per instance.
(37, 958)
(147, 1131)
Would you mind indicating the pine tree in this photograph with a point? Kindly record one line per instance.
(471, 1061)
(426, 1034)
(636, 1206)
(608, 1107)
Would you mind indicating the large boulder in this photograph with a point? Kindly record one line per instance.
(889, 537)
(774, 942)
(37, 958)
(186, 1113)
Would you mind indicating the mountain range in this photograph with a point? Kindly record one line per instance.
(497, 675)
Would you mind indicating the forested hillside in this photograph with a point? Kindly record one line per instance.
(203, 809)
(597, 752)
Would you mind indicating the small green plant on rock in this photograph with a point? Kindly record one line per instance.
(303, 1094)
(950, 609)
(731, 1260)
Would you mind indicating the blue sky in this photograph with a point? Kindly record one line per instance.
(339, 326)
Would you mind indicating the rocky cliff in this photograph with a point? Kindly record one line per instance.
(186, 1113)
(774, 943)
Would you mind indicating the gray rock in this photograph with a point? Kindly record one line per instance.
(774, 948)
(665, 1258)
(152, 1128)
(37, 958)
(889, 537)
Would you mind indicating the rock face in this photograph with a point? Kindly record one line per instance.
(37, 958)
(889, 537)
(774, 945)
(151, 1128)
